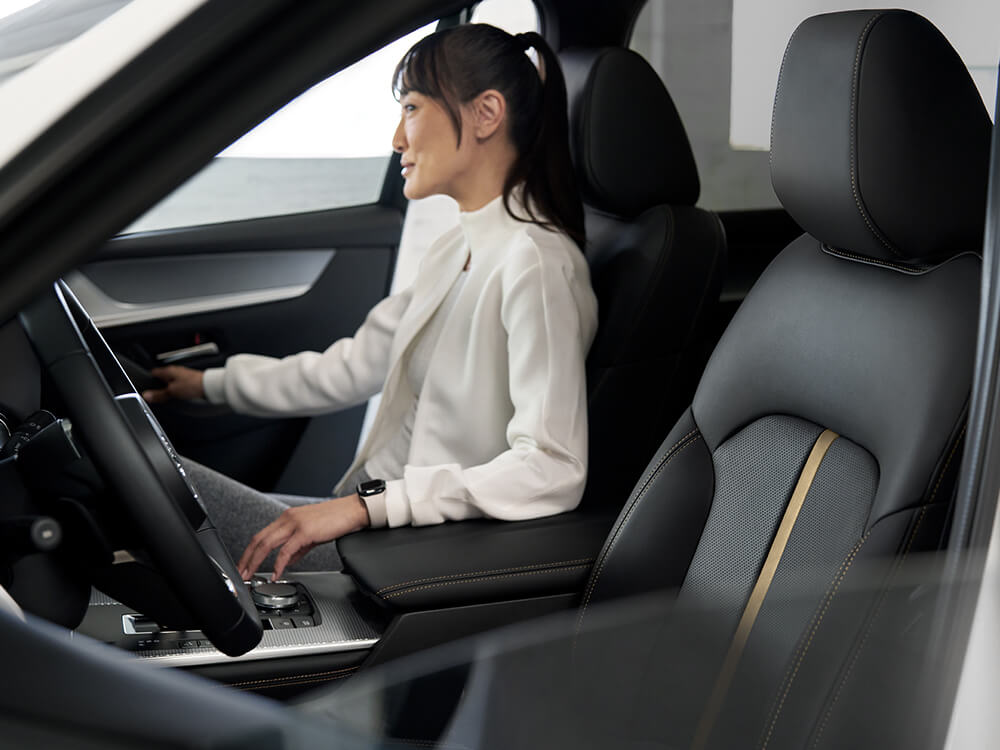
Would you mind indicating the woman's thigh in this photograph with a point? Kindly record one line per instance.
(239, 512)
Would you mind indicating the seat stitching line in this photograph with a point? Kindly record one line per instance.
(871, 622)
(814, 626)
(853, 132)
(947, 463)
(482, 572)
(276, 680)
(868, 630)
(479, 580)
(817, 620)
(675, 450)
(913, 271)
(777, 93)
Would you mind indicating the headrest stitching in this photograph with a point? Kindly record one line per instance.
(909, 270)
(586, 105)
(777, 93)
(853, 137)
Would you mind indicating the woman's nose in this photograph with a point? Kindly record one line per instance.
(399, 138)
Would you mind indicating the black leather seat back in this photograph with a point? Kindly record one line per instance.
(656, 261)
(859, 341)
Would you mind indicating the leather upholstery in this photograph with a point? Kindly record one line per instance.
(455, 564)
(880, 141)
(654, 539)
(628, 143)
(865, 338)
(656, 262)
(881, 357)
(657, 280)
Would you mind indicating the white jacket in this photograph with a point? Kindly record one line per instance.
(501, 423)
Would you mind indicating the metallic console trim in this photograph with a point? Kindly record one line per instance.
(109, 313)
(341, 628)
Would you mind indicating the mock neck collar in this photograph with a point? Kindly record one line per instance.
(492, 224)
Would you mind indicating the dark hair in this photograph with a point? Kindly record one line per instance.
(455, 65)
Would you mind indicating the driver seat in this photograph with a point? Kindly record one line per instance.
(656, 261)
(824, 439)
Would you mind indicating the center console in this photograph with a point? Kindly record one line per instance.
(308, 613)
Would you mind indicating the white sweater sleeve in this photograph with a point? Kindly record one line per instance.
(349, 372)
(544, 470)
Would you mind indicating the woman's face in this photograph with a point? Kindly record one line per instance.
(432, 160)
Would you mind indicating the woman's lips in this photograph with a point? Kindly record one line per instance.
(407, 168)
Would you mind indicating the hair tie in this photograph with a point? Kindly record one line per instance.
(524, 41)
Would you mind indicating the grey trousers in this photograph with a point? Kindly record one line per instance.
(239, 512)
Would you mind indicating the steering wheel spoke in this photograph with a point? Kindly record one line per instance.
(134, 456)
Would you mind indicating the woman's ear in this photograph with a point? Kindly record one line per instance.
(489, 110)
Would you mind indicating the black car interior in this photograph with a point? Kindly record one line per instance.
(657, 262)
(815, 451)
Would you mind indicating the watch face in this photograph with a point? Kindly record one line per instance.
(371, 487)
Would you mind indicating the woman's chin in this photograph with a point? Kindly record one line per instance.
(412, 191)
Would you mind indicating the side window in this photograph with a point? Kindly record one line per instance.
(328, 148)
(514, 16)
(720, 63)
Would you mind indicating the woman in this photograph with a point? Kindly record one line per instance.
(481, 361)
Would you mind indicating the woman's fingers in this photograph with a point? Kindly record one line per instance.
(181, 382)
(290, 552)
(270, 537)
(156, 396)
(299, 529)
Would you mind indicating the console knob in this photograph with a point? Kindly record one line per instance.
(275, 595)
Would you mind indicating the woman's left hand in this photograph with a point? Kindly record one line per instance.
(301, 528)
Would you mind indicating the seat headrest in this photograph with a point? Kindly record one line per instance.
(879, 139)
(627, 140)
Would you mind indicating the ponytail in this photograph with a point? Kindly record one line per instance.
(456, 64)
(545, 166)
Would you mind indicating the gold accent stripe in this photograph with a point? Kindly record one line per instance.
(760, 589)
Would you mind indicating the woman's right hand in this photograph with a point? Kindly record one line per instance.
(181, 383)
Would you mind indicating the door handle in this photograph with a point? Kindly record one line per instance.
(189, 352)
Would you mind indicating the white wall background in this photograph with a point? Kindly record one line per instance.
(761, 31)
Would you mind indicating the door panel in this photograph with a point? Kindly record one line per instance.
(136, 290)
(210, 285)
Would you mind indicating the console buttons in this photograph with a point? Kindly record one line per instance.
(303, 622)
(281, 623)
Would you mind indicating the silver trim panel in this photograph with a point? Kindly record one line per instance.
(341, 628)
(209, 348)
(109, 313)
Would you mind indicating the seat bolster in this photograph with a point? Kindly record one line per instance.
(883, 593)
(657, 532)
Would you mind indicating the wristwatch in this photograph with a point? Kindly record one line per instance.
(371, 487)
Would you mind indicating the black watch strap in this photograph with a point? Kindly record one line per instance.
(371, 487)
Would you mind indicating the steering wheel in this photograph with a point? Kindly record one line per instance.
(130, 450)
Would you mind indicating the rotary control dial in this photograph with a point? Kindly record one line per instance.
(275, 595)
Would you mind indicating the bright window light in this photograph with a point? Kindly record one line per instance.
(351, 115)
(10, 7)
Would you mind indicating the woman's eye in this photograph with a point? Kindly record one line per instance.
(409, 107)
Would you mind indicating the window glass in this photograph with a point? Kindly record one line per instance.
(513, 16)
(329, 148)
(30, 30)
(719, 59)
